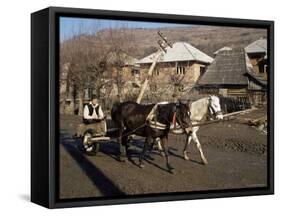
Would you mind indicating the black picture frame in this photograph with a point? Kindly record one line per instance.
(45, 106)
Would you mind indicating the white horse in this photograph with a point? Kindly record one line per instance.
(199, 110)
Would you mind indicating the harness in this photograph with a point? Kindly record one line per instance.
(152, 122)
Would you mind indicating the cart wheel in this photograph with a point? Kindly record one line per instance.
(88, 147)
(92, 150)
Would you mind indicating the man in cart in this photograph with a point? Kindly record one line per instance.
(93, 119)
(93, 114)
(93, 126)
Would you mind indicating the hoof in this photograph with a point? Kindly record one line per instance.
(162, 154)
(122, 159)
(141, 166)
(185, 157)
(205, 162)
(171, 171)
(170, 168)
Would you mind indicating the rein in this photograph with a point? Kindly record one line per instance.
(131, 132)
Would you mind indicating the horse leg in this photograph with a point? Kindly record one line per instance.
(148, 141)
(158, 141)
(125, 143)
(122, 150)
(187, 143)
(163, 143)
(195, 138)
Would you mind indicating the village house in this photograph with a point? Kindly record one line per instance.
(257, 85)
(226, 75)
(122, 77)
(257, 53)
(127, 66)
(182, 65)
(231, 74)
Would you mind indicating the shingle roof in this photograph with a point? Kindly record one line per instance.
(260, 79)
(258, 46)
(223, 49)
(228, 68)
(180, 51)
(125, 58)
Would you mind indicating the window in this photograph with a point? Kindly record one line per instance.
(261, 68)
(202, 70)
(180, 70)
(88, 93)
(265, 69)
(135, 72)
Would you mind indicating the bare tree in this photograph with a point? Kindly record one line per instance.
(91, 57)
(87, 64)
(120, 39)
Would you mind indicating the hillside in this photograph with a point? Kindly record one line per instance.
(206, 38)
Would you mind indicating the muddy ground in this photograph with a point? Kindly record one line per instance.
(236, 154)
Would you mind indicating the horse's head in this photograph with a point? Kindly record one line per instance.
(182, 115)
(215, 107)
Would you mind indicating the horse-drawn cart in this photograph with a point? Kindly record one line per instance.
(209, 109)
(91, 140)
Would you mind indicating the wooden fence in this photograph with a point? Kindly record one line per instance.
(231, 104)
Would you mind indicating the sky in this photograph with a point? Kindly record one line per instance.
(70, 27)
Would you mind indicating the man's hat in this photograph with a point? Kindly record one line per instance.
(94, 96)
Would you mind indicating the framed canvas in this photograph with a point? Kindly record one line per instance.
(138, 107)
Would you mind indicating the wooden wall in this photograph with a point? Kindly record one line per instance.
(259, 64)
(189, 71)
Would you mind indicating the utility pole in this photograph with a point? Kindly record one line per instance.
(163, 44)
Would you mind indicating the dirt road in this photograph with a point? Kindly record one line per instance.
(236, 154)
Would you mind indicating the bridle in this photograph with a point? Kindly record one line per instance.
(212, 111)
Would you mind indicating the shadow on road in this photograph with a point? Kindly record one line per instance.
(111, 149)
(172, 153)
(104, 184)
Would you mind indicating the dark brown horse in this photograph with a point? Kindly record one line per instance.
(131, 118)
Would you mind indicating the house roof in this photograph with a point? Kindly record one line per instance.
(228, 68)
(222, 49)
(180, 51)
(258, 46)
(260, 79)
(125, 58)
